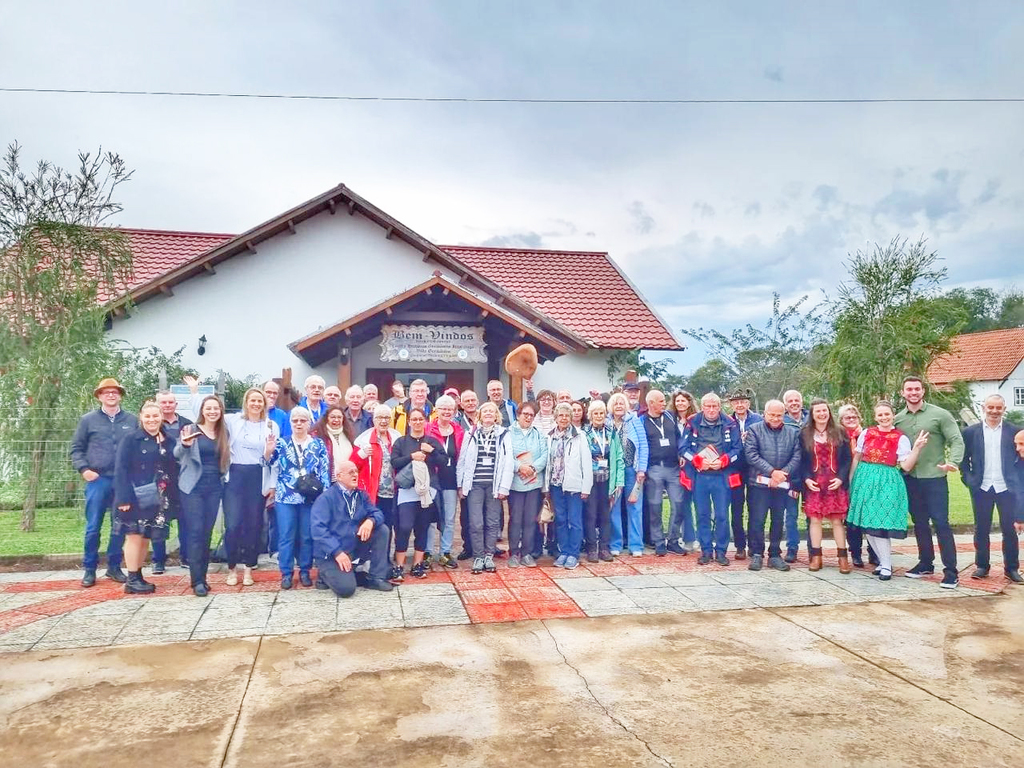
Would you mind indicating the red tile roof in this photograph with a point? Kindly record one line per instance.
(548, 280)
(986, 356)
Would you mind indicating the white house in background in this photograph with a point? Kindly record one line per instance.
(338, 287)
(992, 362)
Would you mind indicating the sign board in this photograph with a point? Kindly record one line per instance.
(183, 395)
(437, 343)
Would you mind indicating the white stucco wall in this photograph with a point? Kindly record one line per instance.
(577, 373)
(982, 389)
(256, 304)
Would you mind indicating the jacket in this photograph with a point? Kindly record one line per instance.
(504, 461)
(315, 412)
(399, 417)
(633, 431)
(842, 460)
(768, 449)
(751, 420)
(1017, 470)
(334, 522)
(285, 459)
(579, 469)
(972, 469)
(190, 466)
(616, 466)
(530, 440)
(724, 435)
(367, 455)
(508, 412)
(138, 459)
(96, 439)
(406, 445)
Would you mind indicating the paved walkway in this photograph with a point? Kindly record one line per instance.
(41, 610)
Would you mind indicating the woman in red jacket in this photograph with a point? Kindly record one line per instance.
(371, 453)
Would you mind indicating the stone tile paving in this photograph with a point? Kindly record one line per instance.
(49, 610)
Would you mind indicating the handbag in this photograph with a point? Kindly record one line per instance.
(147, 497)
(309, 487)
(547, 515)
(406, 478)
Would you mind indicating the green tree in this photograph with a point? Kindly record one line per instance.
(1011, 310)
(623, 360)
(58, 262)
(980, 305)
(890, 321)
(715, 375)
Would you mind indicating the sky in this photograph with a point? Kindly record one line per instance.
(709, 208)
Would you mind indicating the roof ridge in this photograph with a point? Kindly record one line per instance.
(989, 333)
(190, 233)
(523, 250)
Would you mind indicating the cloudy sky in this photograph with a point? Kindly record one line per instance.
(709, 208)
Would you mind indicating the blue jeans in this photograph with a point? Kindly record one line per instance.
(711, 489)
(662, 479)
(568, 508)
(448, 501)
(634, 517)
(292, 521)
(99, 497)
(792, 519)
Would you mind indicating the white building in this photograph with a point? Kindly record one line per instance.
(338, 287)
(992, 362)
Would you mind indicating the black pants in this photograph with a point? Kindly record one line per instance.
(929, 503)
(983, 502)
(243, 514)
(736, 502)
(855, 542)
(412, 518)
(763, 500)
(597, 523)
(376, 550)
(523, 511)
(464, 529)
(199, 512)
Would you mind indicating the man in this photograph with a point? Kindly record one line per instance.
(313, 401)
(987, 470)
(397, 395)
(796, 416)
(632, 391)
(927, 487)
(272, 391)
(332, 396)
(468, 403)
(740, 403)
(93, 449)
(506, 408)
(173, 423)
(370, 399)
(356, 418)
(772, 454)
(663, 464)
(563, 396)
(711, 443)
(349, 530)
(417, 399)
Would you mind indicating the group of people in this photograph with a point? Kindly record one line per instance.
(341, 481)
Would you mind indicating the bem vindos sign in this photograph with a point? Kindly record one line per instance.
(434, 343)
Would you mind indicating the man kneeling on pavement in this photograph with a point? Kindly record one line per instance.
(348, 533)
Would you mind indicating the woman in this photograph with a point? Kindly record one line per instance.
(450, 436)
(204, 455)
(878, 495)
(336, 432)
(303, 474)
(371, 454)
(545, 418)
(825, 467)
(482, 463)
(523, 481)
(145, 492)
(850, 422)
(417, 503)
(578, 412)
(683, 406)
(249, 479)
(568, 480)
(608, 471)
(627, 513)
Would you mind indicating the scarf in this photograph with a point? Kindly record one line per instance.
(341, 448)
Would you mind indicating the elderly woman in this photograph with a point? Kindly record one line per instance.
(609, 473)
(371, 453)
(568, 479)
(336, 432)
(417, 499)
(825, 469)
(482, 462)
(523, 481)
(145, 492)
(303, 474)
(852, 426)
(204, 456)
(249, 480)
(627, 513)
(449, 435)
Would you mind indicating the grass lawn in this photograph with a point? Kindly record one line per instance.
(60, 531)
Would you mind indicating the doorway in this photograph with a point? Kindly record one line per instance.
(437, 381)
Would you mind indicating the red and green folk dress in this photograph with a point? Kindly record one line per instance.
(878, 496)
(828, 462)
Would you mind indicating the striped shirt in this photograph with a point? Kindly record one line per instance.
(486, 453)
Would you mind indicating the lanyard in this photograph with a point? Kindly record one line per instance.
(660, 425)
(300, 454)
(350, 502)
(601, 441)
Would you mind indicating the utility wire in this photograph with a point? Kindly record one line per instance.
(472, 100)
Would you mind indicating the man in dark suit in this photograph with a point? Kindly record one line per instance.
(988, 471)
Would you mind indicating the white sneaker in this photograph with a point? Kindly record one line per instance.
(246, 576)
(232, 579)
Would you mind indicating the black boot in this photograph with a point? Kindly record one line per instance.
(116, 574)
(134, 585)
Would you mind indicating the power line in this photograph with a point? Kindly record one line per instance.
(473, 100)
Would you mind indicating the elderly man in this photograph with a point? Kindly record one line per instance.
(506, 408)
(417, 399)
(93, 449)
(663, 463)
(272, 390)
(349, 530)
(739, 401)
(711, 443)
(370, 399)
(796, 416)
(356, 418)
(987, 470)
(772, 453)
(468, 403)
(313, 401)
(927, 486)
(397, 395)
(332, 396)
(173, 423)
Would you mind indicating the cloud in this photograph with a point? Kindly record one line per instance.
(826, 195)
(752, 209)
(643, 222)
(704, 210)
(773, 73)
(938, 202)
(988, 193)
(515, 240)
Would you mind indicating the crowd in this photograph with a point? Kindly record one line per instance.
(341, 482)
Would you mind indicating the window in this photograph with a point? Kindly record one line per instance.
(1018, 395)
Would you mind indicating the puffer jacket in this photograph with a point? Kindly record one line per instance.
(768, 449)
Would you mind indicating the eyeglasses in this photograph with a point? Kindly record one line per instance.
(527, 414)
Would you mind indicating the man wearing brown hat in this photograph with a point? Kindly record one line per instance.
(93, 449)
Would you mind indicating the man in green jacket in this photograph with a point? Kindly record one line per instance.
(927, 487)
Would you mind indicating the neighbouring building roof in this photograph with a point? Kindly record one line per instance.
(985, 356)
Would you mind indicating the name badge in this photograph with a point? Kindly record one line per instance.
(602, 463)
(486, 461)
(664, 442)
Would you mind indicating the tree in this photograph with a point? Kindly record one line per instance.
(1011, 311)
(623, 360)
(772, 359)
(980, 305)
(58, 264)
(715, 375)
(890, 321)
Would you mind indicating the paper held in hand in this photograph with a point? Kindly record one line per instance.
(526, 458)
(762, 480)
(709, 454)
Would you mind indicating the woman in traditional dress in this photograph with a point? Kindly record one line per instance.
(825, 467)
